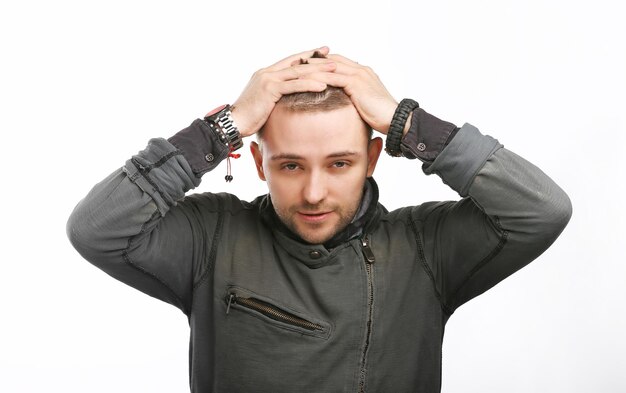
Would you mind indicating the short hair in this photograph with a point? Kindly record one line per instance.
(313, 101)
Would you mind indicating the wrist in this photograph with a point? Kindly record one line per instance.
(388, 117)
(407, 125)
(398, 127)
(241, 120)
(222, 123)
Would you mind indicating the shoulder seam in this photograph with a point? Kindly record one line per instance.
(213, 252)
(422, 261)
(503, 239)
(128, 260)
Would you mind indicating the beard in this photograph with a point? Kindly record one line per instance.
(317, 233)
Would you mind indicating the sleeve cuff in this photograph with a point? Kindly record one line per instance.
(200, 146)
(427, 136)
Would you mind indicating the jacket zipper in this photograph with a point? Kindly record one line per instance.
(270, 311)
(369, 261)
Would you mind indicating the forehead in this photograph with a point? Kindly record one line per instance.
(311, 134)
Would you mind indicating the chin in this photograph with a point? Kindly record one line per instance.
(315, 234)
(315, 239)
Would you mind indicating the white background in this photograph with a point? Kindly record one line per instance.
(84, 85)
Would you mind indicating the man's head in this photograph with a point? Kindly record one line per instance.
(315, 153)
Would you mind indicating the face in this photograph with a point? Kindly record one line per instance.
(315, 165)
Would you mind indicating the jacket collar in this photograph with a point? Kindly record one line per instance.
(316, 255)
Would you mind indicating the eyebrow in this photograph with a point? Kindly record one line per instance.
(290, 156)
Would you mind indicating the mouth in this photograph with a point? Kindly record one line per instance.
(314, 217)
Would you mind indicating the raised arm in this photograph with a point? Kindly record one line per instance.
(135, 224)
(510, 212)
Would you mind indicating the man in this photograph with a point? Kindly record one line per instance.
(316, 287)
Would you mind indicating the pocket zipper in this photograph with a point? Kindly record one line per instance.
(270, 311)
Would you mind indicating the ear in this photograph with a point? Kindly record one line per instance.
(255, 149)
(374, 148)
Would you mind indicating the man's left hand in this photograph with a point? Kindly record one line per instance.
(368, 94)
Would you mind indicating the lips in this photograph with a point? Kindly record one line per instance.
(314, 217)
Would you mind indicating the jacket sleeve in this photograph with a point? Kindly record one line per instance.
(511, 212)
(129, 226)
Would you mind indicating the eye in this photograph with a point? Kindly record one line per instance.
(290, 166)
(340, 164)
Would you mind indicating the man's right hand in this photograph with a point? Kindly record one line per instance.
(268, 85)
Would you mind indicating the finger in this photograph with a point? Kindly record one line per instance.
(346, 69)
(343, 59)
(341, 67)
(300, 85)
(338, 59)
(330, 79)
(299, 71)
(286, 62)
(334, 57)
(311, 60)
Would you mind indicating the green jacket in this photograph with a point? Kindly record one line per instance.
(269, 313)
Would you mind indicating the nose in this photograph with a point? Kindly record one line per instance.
(315, 188)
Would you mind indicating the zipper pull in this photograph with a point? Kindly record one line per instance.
(231, 299)
(367, 251)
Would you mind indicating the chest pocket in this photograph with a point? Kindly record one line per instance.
(272, 312)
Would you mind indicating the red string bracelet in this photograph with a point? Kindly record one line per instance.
(228, 176)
